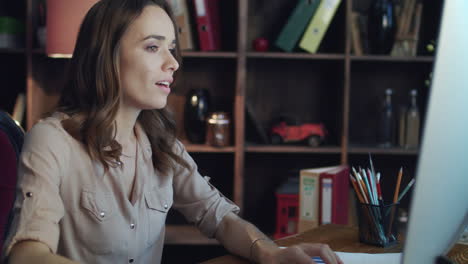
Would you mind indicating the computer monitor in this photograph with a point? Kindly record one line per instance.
(439, 206)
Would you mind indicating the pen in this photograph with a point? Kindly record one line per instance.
(379, 191)
(397, 188)
(406, 189)
(395, 199)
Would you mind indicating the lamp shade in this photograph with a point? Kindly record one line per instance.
(64, 18)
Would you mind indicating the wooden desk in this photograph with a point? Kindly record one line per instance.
(339, 238)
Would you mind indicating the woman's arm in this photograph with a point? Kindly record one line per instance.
(26, 252)
(244, 239)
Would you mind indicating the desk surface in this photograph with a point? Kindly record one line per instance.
(339, 238)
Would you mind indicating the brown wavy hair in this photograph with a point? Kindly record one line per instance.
(92, 92)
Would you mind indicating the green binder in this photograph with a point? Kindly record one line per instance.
(317, 27)
(296, 24)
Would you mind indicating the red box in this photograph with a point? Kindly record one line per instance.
(287, 214)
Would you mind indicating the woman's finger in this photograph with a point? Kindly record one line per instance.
(321, 250)
(296, 255)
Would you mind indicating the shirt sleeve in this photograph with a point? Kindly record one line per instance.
(199, 201)
(38, 205)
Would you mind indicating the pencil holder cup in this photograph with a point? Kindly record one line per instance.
(377, 224)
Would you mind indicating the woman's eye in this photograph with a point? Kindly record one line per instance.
(173, 51)
(152, 48)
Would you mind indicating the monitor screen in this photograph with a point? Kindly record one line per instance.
(439, 206)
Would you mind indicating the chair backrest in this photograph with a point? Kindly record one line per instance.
(11, 142)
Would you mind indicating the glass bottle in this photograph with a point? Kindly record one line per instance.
(381, 26)
(197, 107)
(402, 126)
(387, 125)
(412, 122)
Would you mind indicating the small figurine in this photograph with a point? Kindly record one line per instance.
(313, 134)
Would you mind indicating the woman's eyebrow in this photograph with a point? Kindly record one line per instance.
(158, 37)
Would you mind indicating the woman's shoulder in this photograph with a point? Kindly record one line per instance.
(48, 132)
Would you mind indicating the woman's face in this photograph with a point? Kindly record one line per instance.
(146, 58)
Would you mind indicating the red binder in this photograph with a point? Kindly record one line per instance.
(208, 27)
(338, 181)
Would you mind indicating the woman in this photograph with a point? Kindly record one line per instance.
(98, 177)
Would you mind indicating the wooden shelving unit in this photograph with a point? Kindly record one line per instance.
(333, 86)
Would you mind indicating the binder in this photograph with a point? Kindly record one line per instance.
(318, 25)
(334, 193)
(296, 24)
(184, 27)
(309, 197)
(208, 24)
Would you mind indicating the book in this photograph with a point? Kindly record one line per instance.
(296, 24)
(334, 195)
(208, 24)
(309, 182)
(184, 27)
(318, 25)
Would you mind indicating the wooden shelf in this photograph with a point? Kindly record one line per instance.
(384, 58)
(186, 235)
(208, 54)
(297, 55)
(207, 148)
(377, 150)
(292, 149)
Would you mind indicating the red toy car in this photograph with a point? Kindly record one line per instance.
(313, 134)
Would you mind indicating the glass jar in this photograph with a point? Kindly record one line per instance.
(218, 129)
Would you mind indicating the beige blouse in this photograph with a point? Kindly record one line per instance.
(65, 200)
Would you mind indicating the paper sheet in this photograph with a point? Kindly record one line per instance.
(365, 258)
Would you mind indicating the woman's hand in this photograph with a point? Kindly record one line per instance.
(301, 254)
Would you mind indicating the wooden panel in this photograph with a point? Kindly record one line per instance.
(239, 106)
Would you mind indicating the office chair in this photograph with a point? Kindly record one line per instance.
(11, 142)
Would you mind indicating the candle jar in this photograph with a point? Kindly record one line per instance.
(218, 129)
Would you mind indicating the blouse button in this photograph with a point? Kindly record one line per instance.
(165, 206)
(130, 260)
(29, 194)
(132, 226)
(102, 214)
